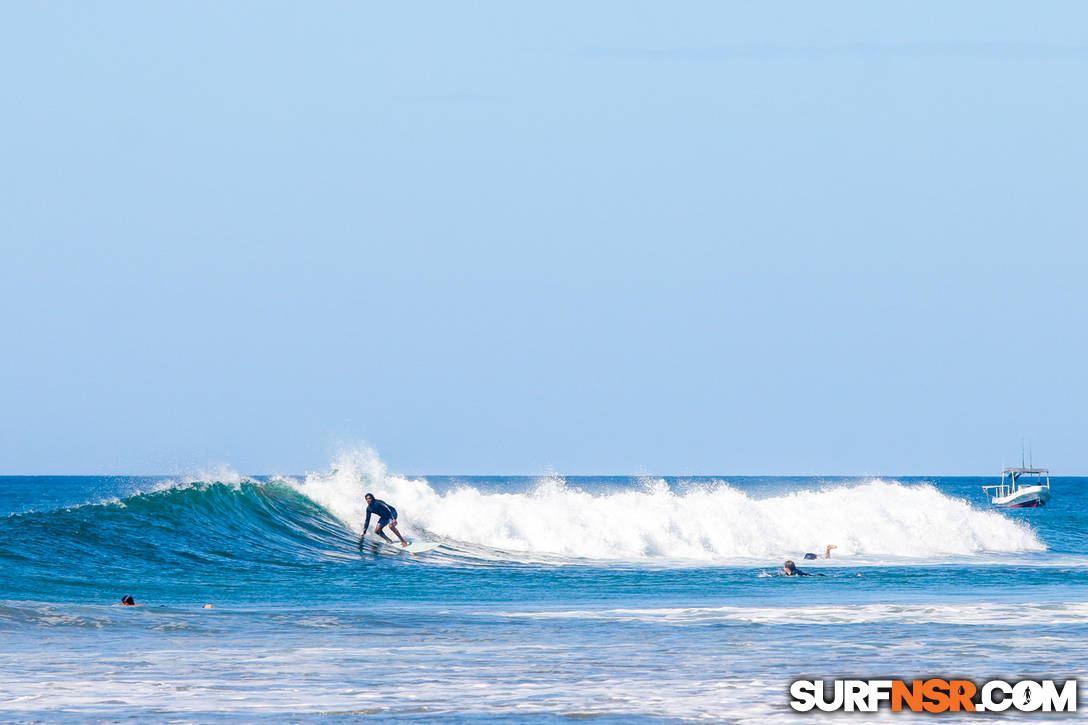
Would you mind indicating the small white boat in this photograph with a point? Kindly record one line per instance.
(1012, 493)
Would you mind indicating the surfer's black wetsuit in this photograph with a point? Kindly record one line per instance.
(382, 510)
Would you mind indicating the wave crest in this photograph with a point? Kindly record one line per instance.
(710, 522)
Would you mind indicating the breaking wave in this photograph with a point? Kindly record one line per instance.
(709, 522)
(238, 521)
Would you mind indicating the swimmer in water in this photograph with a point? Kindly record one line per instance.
(128, 601)
(790, 569)
(827, 553)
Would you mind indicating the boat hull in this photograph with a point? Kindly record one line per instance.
(1034, 503)
(1028, 497)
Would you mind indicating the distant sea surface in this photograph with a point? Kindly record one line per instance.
(618, 599)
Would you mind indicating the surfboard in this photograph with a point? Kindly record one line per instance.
(414, 547)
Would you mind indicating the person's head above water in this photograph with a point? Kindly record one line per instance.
(128, 601)
(789, 567)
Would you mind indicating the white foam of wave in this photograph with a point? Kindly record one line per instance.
(509, 675)
(355, 473)
(221, 473)
(718, 522)
(117, 496)
(253, 684)
(971, 613)
(197, 478)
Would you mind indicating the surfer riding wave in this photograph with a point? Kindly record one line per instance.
(387, 516)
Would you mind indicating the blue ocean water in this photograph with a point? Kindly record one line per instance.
(620, 599)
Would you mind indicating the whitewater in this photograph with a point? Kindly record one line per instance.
(708, 520)
(622, 598)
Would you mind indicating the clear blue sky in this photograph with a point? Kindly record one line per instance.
(601, 237)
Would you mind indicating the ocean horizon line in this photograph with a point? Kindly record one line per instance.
(546, 475)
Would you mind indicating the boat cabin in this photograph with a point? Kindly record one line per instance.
(1014, 493)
